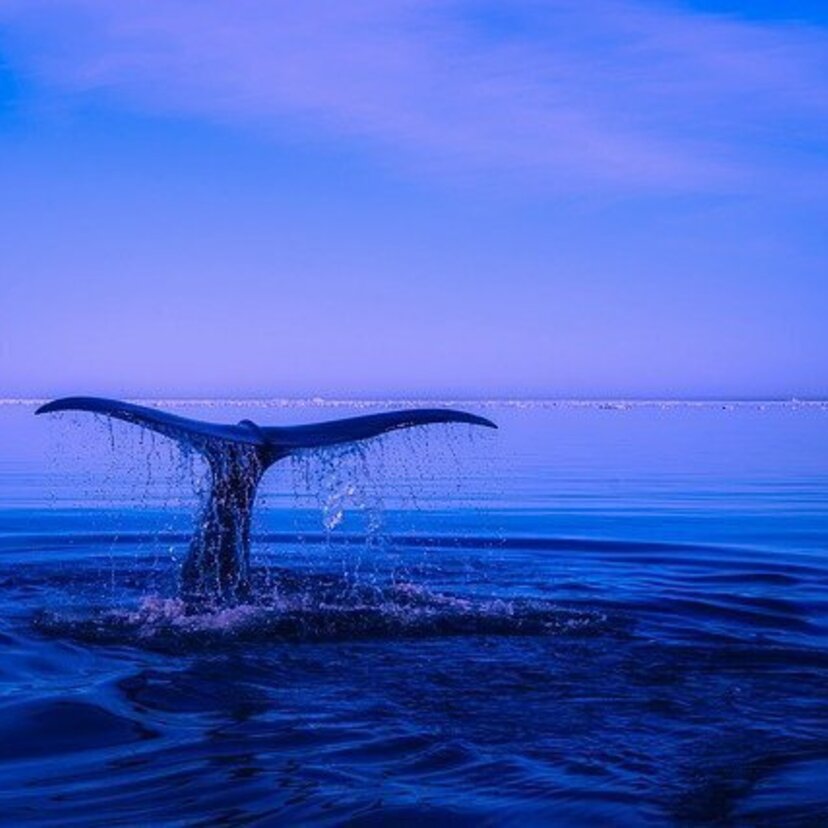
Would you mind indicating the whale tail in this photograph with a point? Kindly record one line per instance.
(272, 442)
(217, 566)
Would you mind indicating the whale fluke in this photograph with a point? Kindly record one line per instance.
(352, 429)
(280, 440)
(216, 568)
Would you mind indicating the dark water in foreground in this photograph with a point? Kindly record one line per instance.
(593, 617)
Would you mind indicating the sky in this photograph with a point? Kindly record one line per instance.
(414, 198)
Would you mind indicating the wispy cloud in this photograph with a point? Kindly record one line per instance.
(629, 95)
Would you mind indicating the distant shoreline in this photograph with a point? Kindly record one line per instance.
(619, 404)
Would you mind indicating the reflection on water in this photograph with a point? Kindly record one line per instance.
(595, 616)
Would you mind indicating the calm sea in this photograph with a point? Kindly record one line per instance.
(601, 614)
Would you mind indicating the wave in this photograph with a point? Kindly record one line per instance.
(18, 541)
(326, 608)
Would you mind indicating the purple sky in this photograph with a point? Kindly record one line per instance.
(390, 197)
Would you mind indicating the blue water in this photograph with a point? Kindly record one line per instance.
(598, 615)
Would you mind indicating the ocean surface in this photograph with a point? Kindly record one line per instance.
(600, 614)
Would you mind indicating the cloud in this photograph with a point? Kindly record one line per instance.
(568, 95)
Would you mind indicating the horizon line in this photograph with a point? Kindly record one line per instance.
(318, 400)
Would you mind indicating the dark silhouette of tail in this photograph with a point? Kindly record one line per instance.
(217, 566)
